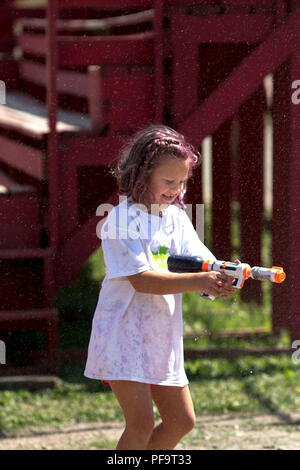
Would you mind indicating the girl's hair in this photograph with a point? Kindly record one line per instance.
(145, 152)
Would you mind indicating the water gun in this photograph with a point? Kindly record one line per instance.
(239, 271)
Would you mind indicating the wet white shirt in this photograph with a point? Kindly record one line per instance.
(137, 336)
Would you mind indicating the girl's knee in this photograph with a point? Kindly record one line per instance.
(183, 425)
(189, 423)
(143, 425)
(140, 429)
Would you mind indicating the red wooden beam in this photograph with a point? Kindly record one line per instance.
(221, 28)
(84, 26)
(68, 81)
(132, 49)
(242, 82)
(22, 157)
(106, 4)
(128, 4)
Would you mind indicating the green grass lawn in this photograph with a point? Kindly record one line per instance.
(237, 385)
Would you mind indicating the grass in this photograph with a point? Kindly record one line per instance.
(238, 385)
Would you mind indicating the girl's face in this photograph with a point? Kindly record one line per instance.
(167, 180)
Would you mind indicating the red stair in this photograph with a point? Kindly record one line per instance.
(80, 90)
(53, 171)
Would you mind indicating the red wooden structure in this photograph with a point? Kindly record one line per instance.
(84, 75)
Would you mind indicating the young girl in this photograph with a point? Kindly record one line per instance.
(136, 342)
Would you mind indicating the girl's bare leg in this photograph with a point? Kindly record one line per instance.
(177, 413)
(136, 402)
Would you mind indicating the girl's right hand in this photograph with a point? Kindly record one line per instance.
(211, 283)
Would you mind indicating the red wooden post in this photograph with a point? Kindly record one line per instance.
(251, 142)
(95, 97)
(286, 201)
(295, 205)
(159, 61)
(52, 115)
(281, 194)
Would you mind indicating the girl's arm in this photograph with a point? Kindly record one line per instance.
(150, 282)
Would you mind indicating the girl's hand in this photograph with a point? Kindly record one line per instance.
(227, 288)
(214, 283)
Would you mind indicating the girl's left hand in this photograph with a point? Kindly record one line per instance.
(226, 286)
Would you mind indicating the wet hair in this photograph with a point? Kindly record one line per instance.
(144, 152)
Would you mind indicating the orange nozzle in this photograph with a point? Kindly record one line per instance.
(280, 274)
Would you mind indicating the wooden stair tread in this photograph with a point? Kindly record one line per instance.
(9, 186)
(28, 115)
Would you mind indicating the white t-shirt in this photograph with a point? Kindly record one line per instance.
(138, 336)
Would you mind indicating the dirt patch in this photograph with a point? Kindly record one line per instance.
(219, 432)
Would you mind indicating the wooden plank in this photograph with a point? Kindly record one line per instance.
(10, 186)
(93, 25)
(132, 49)
(128, 4)
(221, 28)
(68, 81)
(242, 82)
(22, 157)
(32, 125)
(34, 44)
(29, 116)
(106, 4)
